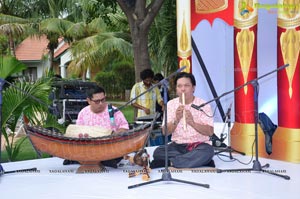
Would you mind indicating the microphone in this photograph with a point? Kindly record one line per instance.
(219, 141)
(111, 112)
(197, 107)
(229, 110)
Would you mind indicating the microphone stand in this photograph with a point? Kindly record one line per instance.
(2, 81)
(228, 148)
(166, 174)
(256, 164)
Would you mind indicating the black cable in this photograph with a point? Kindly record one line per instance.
(235, 159)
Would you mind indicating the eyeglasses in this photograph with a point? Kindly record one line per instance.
(98, 101)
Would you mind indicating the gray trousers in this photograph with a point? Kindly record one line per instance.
(180, 157)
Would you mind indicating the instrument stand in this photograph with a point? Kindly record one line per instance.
(256, 164)
(228, 148)
(2, 81)
(166, 176)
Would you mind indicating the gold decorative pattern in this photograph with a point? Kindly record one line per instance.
(290, 47)
(184, 46)
(290, 23)
(290, 8)
(187, 53)
(210, 6)
(242, 136)
(185, 62)
(286, 142)
(245, 43)
(183, 36)
(245, 23)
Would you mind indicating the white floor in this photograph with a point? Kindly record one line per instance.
(53, 180)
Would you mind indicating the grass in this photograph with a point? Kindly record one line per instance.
(27, 151)
(128, 112)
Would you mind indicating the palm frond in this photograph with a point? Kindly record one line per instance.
(6, 19)
(91, 51)
(28, 99)
(9, 66)
(55, 25)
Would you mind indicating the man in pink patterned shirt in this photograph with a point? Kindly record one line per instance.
(97, 114)
(190, 129)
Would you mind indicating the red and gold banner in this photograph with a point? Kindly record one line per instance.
(245, 70)
(286, 139)
(184, 44)
(288, 79)
(211, 10)
(245, 60)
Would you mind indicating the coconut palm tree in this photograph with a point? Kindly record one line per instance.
(13, 27)
(53, 28)
(92, 43)
(140, 16)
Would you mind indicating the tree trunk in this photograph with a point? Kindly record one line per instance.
(12, 45)
(51, 58)
(140, 17)
(140, 51)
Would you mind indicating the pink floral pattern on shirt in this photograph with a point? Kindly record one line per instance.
(190, 135)
(88, 118)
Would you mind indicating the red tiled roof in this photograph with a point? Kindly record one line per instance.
(32, 48)
(61, 49)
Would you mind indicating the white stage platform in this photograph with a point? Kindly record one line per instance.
(54, 180)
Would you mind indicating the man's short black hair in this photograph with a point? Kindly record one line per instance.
(186, 75)
(147, 73)
(95, 90)
(158, 77)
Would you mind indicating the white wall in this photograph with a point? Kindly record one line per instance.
(66, 57)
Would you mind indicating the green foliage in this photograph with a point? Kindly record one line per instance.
(9, 66)
(128, 112)
(108, 81)
(3, 44)
(124, 72)
(98, 8)
(117, 79)
(12, 149)
(23, 98)
(163, 40)
(26, 152)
